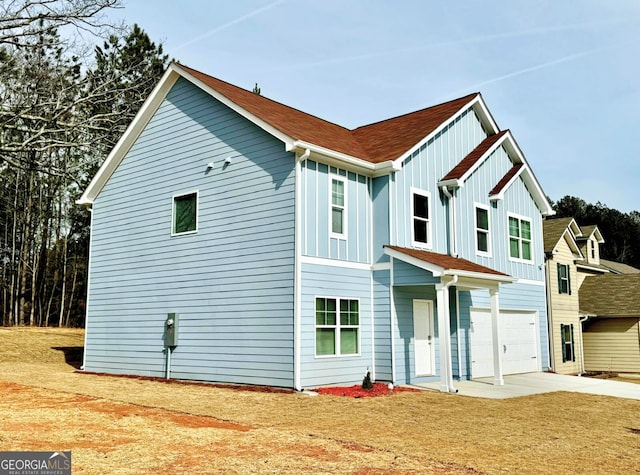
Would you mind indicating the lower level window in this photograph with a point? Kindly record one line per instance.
(566, 333)
(337, 325)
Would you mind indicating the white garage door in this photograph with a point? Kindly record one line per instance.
(518, 331)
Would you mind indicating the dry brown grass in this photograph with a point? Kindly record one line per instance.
(121, 425)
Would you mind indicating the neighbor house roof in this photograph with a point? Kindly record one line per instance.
(618, 267)
(440, 264)
(554, 229)
(610, 295)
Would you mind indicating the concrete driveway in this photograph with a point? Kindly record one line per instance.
(517, 385)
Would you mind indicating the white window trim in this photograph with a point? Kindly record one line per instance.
(414, 243)
(345, 220)
(519, 259)
(488, 252)
(337, 326)
(173, 212)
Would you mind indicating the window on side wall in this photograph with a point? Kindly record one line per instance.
(483, 238)
(338, 207)
(185, 214)
(564, 279)
(420, 219)
(337, 326)
(520, 238)
(566, 333)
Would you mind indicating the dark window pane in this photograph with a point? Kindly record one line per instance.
(420, 206)
(514, 248)
(483, 241)
(349, 341)
(336, 220)
(419, 230)
(482, 218)
(526, 230)
(184, 213)
(526, 250)
(514, 228)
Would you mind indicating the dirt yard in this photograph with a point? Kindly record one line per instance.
(116, 425)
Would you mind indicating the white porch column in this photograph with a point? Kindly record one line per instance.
(444, 337)
(498, 380)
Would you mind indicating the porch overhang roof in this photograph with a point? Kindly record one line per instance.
(443, 265)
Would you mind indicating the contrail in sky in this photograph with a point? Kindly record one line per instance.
(547, 64)
(228, 24)
(475, 39)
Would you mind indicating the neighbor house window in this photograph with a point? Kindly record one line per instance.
(337, 324)
(185, 213)
(566, 333)
(482, 229)
(519, 238)
(420, 222)
(564, 279)
(338, 209)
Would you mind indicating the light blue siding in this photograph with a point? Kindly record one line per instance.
(381, 210)
(423, 169)
(407, 274)
(338, 282)
(517, 200)
(316, 206)
(231, 282)
(382, 321)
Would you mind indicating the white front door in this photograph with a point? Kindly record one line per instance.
(423, 348)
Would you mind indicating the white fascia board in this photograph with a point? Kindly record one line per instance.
(130, 135)
(595, 269)
(434, 269)
(486, 118)
(481, 160)
(507, 279)
(235, 107)
(398, 161)
(571, 242)
(500, 196)
(342, 160)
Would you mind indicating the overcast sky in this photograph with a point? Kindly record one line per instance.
(564, 76)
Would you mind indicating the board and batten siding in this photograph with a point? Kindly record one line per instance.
(382, 322)
(231, 282)
(423, 169)
(612, 344)
(517, 201)
(335, 282)
(316, 217)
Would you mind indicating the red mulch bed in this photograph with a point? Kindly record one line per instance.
(357, 391)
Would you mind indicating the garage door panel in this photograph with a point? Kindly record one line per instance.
(519, 348)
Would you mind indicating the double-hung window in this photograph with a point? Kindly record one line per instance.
(564, 279)
(482, 230)
(566, 334)
(519, 238)
(420, 221)
(338, 208)
(185, 214)
(337, 326)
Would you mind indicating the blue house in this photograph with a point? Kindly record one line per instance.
(297, 253)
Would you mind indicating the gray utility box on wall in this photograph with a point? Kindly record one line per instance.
(171, 330)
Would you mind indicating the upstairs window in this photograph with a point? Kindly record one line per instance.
(338, 209)
(420, 222)
(337, 326)
(519, 238)
(482, 230)
(185, 214)
(566, 334)
(564, 279)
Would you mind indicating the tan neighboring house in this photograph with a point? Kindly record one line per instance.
(572, 254)
(610, 308)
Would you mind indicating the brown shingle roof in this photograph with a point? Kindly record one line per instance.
(552, 231)
(618, 267)
(445, 261)
(611, 295)
(505, 179)
(470, 160)
(378, 142)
